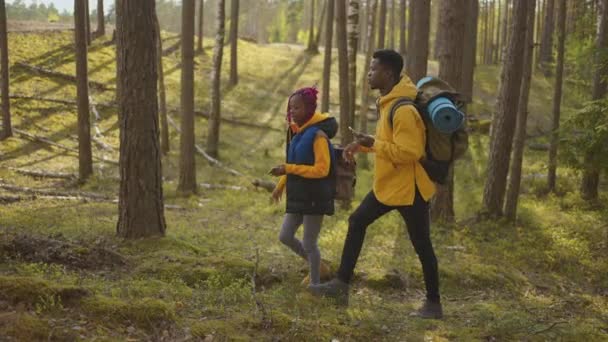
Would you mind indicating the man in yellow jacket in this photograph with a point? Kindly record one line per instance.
(400, 181)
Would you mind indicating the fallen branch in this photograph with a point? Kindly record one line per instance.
(222, 187)
(98, 135)
(10, 199)
(67, 77)
(52, 143)
(266, 185)
(231, 121)
(201, 151)
(42, 174)
(60, 101)
(549, 328)
(172, 48)
(50, 192)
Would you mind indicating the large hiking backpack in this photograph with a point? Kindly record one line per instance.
(446, 136)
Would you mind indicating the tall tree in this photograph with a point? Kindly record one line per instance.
(187, 165)
(372, 9)
(503, 31)
(162, 96)
(213, 135)
(101, 20)
(353, 41)
(522, 118)
(469, 49)
(140, 204)
(546, 43)
(402, 25)
(418, 39)
(391, 26)
(321, 25)
(498, 47)
(591, 175)
(234, 27)
(7, 130)
(452, 18)
(345, 110)
(87, 22)
(539, 17)
(557, 95)
(503, 123)
(312, 43)
(490, 51)
(329, 32)
(382, 25)
(85, 157)
(201, 17)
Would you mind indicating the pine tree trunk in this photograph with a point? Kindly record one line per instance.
(452, 17)
(85, 157)
(372, 6)
(382, 26)
(329, 32)
(187, 166)
(391, 26)
(321, 26)
(591, 175)
(353, 41)
(140, 204)
(491, 34)
(213, 135)
(498, 48)
(362, 26)
(539, 13)
(101, 21)
(201, 17)
(402, 25)
(7, 130)
(546, 44)
(503, 123)
(505, 30)
(88, 22)
(486, 11)
(345, 113)
(469, 49)
(234, 29)
(557, 95)
(418, 39)
(162, 96)
(312, 46)
(522, 118)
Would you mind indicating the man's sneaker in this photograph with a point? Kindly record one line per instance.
(335, 288)
(325, 273)
(429, 310)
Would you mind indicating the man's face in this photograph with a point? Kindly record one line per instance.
(377, 74)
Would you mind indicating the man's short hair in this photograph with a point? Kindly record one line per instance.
(391, 59)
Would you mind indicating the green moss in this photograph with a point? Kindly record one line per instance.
(146, 313)
(32, 291)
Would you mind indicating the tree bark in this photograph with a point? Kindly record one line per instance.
(491, 35)
(418, 39)
(201, 16)
(469, 49)
(591, 175)
(345, 111)
(88, 22)
(213, 135)
(4, 76)
(329, 31)
(321, 26)
(372, 7)
(539, 13)
(353, 41)
(101, 20)
(382, 26)
(234, 27)
(391, 26)
(402, 26)
(85, 159)
(312, 44)
(484, 52)
(140, 203)
(503, 124)
(499, 19)
(452, 23)
(522, 118)
(546, 44)
(557, 95)
(187, 166)
(162, 96)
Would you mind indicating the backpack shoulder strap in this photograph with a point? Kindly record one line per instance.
(402, 101)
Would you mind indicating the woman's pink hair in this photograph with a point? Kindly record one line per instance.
(309, 96)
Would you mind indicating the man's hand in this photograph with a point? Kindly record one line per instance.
(349, 152)
(277, 170)
(363, 139)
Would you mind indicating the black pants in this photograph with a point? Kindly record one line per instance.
(416, 218)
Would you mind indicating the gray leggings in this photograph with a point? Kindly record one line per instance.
(308, 248)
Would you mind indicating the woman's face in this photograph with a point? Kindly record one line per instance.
(298, 110)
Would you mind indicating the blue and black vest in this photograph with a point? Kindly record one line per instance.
(310, 196)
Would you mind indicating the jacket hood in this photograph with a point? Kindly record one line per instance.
(405, 88)
(323, 121)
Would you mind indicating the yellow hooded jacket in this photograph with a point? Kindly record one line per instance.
(398, 150)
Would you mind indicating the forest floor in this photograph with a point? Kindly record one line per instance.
(221, 273)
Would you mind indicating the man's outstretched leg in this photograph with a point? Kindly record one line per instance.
(368, 211)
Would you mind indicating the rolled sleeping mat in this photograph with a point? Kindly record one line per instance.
(444, 115)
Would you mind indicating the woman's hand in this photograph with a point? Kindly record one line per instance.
(276, 195)
(277, 170)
